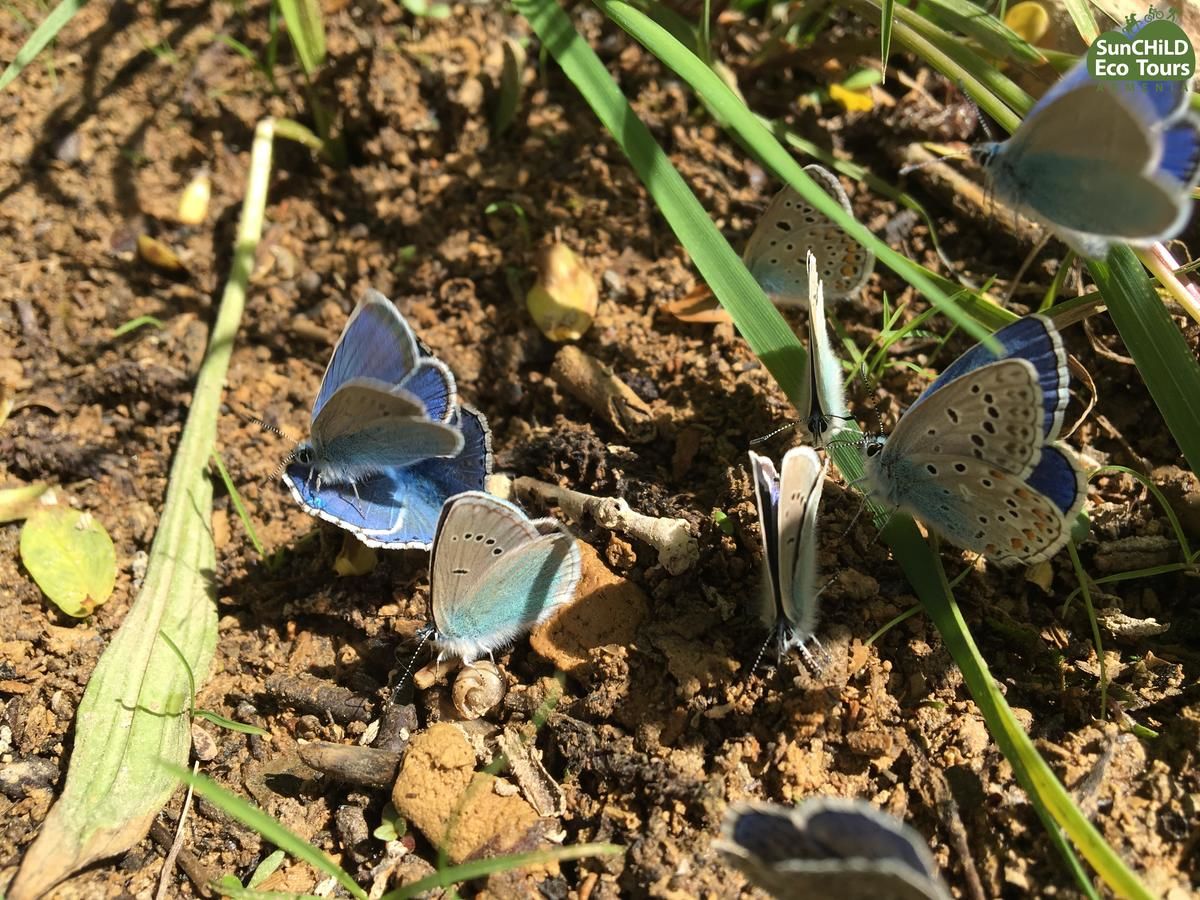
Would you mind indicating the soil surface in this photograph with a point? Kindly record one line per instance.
(664, 720)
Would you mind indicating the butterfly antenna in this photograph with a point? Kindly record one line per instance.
(425, 633)
(274, 429)
(862, 504)
(762, 650)
(979, 116)
(771, 434)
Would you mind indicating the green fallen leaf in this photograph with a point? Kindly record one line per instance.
(71, 557)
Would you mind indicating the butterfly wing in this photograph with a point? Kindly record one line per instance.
(425, 486)
(827, 398)
(1086, 161)
(368, 425)
(1033, 338)
(961, 462)
(377, 511)
(993, 415)
(433, 382)
(494, 573)
(801, 478)
(1059, 478)
(399, 508)
(790, 226)
(1181, 152)
(766, 498)
(376, 343)
(805, 852)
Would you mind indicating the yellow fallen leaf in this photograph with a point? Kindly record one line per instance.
(851, 101)
(698, 307)
(1029, 20)
(193, 203)
(355, 557)
(158, 254)
(563, 301)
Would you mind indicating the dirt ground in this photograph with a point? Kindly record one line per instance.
(666, 723)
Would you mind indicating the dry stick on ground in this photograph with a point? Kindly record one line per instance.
(677, 548)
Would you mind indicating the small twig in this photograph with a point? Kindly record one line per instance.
(592, 382)
(176, 847)
(324, 698)
(362, 766)
(677, 548)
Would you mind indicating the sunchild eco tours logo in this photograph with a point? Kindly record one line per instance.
(1153, 48)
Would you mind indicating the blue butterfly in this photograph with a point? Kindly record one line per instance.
(976, 457)
(389, 441)
(787, 514)
(823, 399)
(790, 226)
(1100, 163)
(494, 574)
(829, 847)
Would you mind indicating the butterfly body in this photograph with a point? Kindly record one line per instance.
(791, 227)
(787, 509)
(389, 440)
(494, 574)
(1102, 163)
(976, 456)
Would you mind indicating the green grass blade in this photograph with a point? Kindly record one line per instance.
(988, 31)
(1051, 800)
(1164, 360)
(239, 506)
(996, 94)
(759, 140)
(135, 324)
(271, 830)
(44, 34)
(886, 16)
(134, 711)
(307, 30)
(479, 868)
(1085, 23)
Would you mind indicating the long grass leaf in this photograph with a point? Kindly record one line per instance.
(992, 34)
(270, 829)
(306, 29)
(479, 868)
(134, 711)
(1164, 359)
(887, 14)
(1085, 23)
(43, 35)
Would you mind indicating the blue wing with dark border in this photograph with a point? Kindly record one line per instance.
(1033, 338)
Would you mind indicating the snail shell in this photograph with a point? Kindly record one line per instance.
(477, 688)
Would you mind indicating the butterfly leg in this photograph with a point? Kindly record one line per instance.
(357, 499)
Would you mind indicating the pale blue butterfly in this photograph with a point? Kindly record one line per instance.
(494, 574)
(789, 227)
(976, 456)
(787, 514)
(829, 847)
(1100, 163)
(389, 441)
(823, 399)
